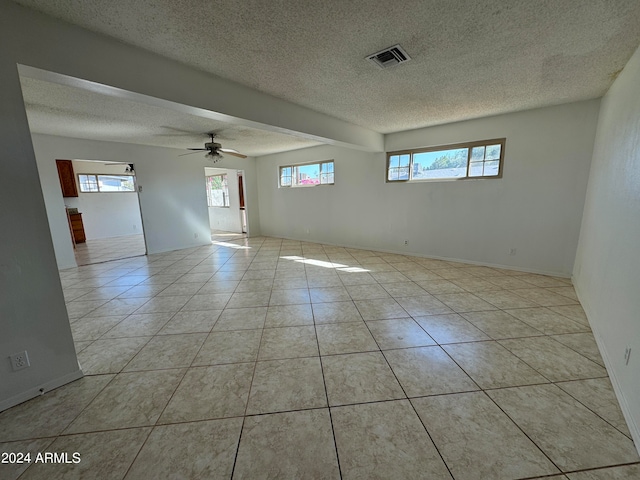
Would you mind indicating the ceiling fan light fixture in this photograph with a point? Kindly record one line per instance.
(214, 150)
(214, 156)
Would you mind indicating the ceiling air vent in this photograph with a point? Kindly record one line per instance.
(389, 57)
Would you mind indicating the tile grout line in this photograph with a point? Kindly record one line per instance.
(326, 393)
(586, 406)
(523, 432)
(152, 427)
(505, 413)
(146, 439)
(412, 406)
(244, 417)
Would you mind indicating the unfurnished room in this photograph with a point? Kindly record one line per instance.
(319, 240)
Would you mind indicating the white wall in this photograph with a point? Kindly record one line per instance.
(226, 218)
(106, 215)
(535, 208)
(109, 214)
(33, 316)
(607, 271)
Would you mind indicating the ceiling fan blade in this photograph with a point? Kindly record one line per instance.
(230, 151)
(181, 131)
(178, 135)
(191, 153)
(199, 149)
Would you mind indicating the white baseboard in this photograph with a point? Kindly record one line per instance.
(632, 424)
(40, 390)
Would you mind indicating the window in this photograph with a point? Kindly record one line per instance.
(95, 183)
(481, 159)
(307, 175)
(217, 191)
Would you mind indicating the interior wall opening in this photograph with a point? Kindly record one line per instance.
(104, 215)
(225, 199)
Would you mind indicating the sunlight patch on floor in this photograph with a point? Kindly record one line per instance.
(321, 263)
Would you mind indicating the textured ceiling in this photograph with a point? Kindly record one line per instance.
(66, 111)
(471, 58)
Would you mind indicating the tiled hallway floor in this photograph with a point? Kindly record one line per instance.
(224, 236)
(108, 249)
(269, 358)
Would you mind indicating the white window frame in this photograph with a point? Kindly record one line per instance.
(468, 145)
(326, 170)
(97, 182)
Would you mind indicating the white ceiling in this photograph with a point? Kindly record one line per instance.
(470, 58)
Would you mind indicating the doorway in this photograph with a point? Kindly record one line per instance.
(243, 210)
(107, 209)
(225, 200)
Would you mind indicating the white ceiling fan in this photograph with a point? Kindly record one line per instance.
(215, 149)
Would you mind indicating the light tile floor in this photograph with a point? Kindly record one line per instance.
(107, 249)
(270, 358)
(223, 235)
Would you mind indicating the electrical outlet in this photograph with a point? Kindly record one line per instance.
(406, 242)
(627, 355)
(512, 251)
(19, 360)
(195, 235)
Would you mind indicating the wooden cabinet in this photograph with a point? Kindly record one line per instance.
(67, 178)
(77, 227)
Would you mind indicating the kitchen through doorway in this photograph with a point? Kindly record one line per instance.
(105, 220)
